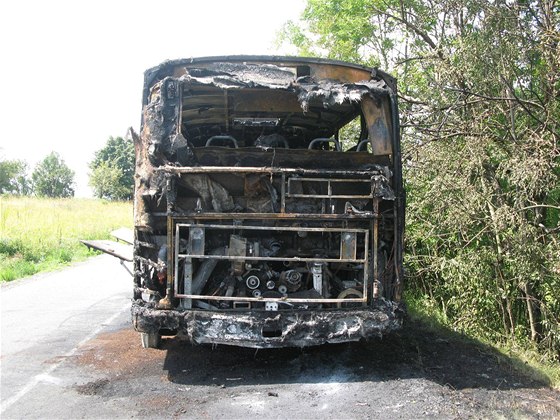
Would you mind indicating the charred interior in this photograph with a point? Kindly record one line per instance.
(268, 202)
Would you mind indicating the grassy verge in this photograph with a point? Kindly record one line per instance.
(38, 234)
(524, 355)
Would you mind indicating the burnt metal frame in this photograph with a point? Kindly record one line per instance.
(187, 304)
(373, 217)
(398, 208)
(329, 182)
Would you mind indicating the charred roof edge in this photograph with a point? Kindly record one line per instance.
(166, 68)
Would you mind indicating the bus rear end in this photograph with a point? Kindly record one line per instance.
(268, 203)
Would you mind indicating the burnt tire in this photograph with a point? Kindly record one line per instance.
(150, 340)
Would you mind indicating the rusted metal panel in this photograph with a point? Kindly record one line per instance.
(377, 119)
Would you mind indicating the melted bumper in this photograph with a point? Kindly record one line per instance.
(260, 329)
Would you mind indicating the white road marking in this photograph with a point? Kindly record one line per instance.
(46, 373)
(49, 379)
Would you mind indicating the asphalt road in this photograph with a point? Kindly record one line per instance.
(68, 351)
(46, 318)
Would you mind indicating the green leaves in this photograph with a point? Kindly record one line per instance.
(13, 177)
(53, 178)
(112, 175)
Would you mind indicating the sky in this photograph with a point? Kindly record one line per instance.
(72, 71)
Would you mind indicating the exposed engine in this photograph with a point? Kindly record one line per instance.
(309, 263)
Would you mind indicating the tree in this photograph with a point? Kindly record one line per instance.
(112, 175)
(13, 177)
(53, 178)
(480, 103)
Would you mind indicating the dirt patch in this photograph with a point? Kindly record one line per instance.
(119, 354)
(92, 388)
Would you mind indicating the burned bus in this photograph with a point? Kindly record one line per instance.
(268, 206)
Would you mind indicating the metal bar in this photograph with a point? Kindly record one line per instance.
(170, 255)
(375, 249)
(366, 267)
(187, 282)
(272, 216)
(330, 180)
(242, 258)
(126, 268)
(258, 169)
(287, 300)
(269, 228)
(326, 196)
(176, 259)
(283, 194)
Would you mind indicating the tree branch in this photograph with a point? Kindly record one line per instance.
(539, 206)
(422, 34)
(494, 98)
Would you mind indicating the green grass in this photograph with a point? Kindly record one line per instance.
(523, 353)
(38, 234)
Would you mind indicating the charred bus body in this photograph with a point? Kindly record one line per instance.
(253, 227)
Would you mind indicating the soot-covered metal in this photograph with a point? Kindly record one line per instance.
(268, 203)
